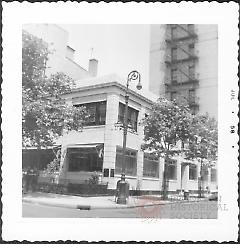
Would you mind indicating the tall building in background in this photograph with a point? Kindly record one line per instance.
(62, 57)
(183, 63)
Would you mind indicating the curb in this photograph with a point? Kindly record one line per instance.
(89, 207)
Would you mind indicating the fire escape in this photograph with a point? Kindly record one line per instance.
(180, 60)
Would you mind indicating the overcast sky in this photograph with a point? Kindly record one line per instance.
(119, 48)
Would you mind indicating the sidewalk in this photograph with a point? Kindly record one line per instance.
(102, 202)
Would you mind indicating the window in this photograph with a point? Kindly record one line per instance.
(213, 175)
(173, 96)
(191, 96)
(204, 173)
(191, 71)
(171, 169)
(190, 28)
(174, 53)
(112, 173)
(97, 111)
(83, 160)
(130, 162)
(132, 116)
(173, 31)
(194, 110)
(106, 173)
(192, 172)
(191, 48)
(150, 166)
(174, 75)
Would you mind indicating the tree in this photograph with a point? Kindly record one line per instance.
(167, 124)
(45, 112)
(203, 144)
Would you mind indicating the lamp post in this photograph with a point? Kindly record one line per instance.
(122, 184)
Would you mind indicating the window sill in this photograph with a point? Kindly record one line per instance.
(93, 126)
(151, 178)
(126, 176)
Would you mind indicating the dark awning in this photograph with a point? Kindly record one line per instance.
(96, 148)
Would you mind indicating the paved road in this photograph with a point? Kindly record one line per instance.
(194, 210)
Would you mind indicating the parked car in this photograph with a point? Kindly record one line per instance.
(213, 196)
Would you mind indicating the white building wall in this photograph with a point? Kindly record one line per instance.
(207, 67)
(206, 47)
(157, 66)
(57, 40)
(110, 141)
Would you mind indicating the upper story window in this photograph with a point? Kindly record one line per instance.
(132, 116)
(97, 112)
(173, 31)
(191, 71)
(191, 48)
(192, 95)
(190, 28)
(174, 53)
(174, 75)
(173, 96)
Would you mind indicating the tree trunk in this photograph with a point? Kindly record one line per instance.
(165, 184)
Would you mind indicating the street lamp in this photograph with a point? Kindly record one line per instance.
(122, 184)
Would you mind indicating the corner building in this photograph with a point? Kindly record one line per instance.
(98, 147)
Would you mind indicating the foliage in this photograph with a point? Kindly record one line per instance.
(167, 124)
(93, 180)
(45, 112)
(203, 142)
(53, 166)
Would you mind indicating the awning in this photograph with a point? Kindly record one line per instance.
(85, 145)
(42, 148)
(97, 148)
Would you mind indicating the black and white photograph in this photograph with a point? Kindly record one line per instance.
(80, 139)
(122, 121)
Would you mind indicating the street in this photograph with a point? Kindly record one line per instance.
(191, 210)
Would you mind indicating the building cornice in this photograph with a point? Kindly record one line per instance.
(111, 84)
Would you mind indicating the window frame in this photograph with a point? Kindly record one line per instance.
(131, 111)
(172, 163)
(99, 117)
(150, 159)
(174, 75)
(191, 173)
(130, 158)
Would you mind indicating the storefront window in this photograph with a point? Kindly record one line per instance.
(192, 172)
(171, 169)
(204, 173)
(213, 175)
(150, 166)
(81, 159)
(130, 162)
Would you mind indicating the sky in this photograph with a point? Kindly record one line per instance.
(118, 48)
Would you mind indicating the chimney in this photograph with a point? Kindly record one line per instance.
(93, 66)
